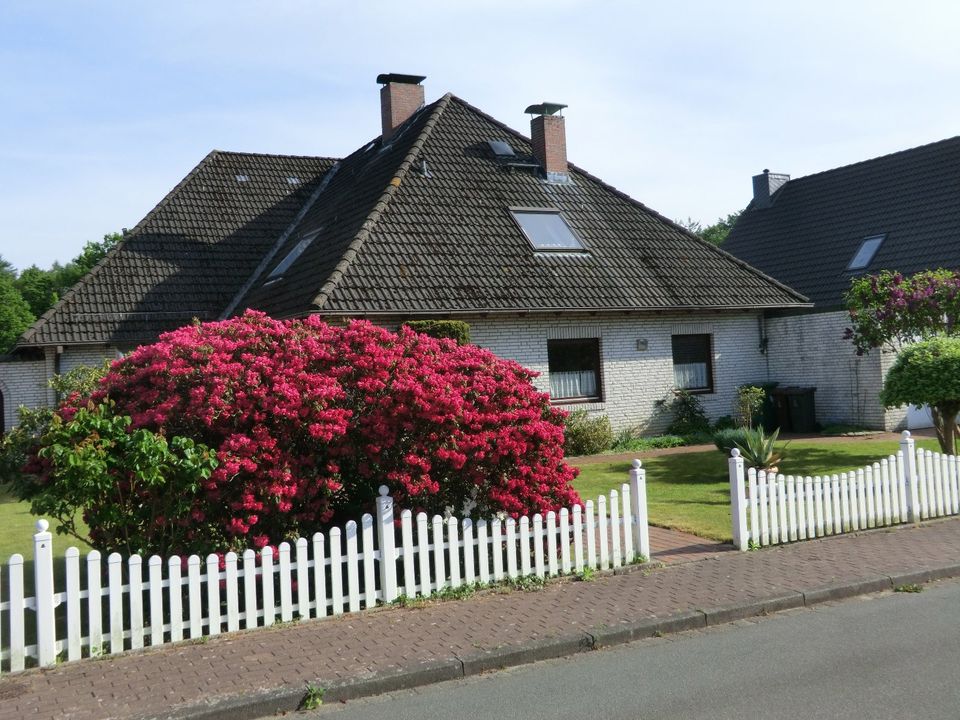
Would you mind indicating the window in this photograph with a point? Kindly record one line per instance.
(291, 257)
(546, 230)
(864, 256)
(574, 369)
(692, 362)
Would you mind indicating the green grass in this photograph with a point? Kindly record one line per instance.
(690, 491)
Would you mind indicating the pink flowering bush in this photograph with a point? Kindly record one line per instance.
(307, 420)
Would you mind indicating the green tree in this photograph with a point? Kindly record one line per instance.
(36, 286)
(7, 269)
(15, 315)
(715, 233)
(928, 372)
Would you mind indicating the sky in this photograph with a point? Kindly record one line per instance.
(107, 105)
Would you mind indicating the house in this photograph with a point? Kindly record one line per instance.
(896, 212)
(447, 214)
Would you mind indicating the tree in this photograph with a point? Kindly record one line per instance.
(928, 372)
(7, 269)
(15, 315)
(890, 309)
(36, 286)
(715, 233)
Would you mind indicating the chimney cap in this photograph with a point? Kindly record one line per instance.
(545, 108)
(387, 78)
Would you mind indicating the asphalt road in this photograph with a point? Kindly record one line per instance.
(895, 655)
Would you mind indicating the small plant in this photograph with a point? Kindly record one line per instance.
(727, 440)
(527, 584)
(631, 441)
(752, 544)
(587, 574)
(909, 588)
(749, 402)
(586, 435)
(759, 451)
(724, 423)
(312, 698)
(841, 429)
(442, 329)
(658, 633)
(689, 417)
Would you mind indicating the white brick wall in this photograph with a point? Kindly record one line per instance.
(90, 355)
(633, 380)
(22, 382)
(809, 350)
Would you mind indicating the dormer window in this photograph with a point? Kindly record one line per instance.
(864, 256)
(292, 256)
(546, 230)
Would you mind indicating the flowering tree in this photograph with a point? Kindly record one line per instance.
(308, 419)
(891, 309)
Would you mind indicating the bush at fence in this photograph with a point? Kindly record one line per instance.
(586, 435)
(307, 420)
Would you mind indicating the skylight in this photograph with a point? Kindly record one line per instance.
(292, 256)
(242, 178)
(547, 230)
(864, 256)
(293, 180)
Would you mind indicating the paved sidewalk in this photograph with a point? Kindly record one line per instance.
(255, 673)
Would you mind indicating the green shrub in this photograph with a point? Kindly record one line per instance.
(749, 402)
(689, 417)
(586, 435)
(453, 329)
(758, 449)
(729, 438)
(724, 423)
(642, 444)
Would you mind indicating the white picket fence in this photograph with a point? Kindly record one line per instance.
(913, 485)
(117, 608)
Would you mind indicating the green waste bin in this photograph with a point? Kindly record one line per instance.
(795, 409)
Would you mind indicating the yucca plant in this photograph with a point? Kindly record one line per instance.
(758, 450)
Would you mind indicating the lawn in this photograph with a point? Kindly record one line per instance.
(690, 491)
(16, 535)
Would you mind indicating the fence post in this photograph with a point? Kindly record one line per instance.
(43, 589)
(386, 541)
(908, 448)
(738, 500)
(638, 500)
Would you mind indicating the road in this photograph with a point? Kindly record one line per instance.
(895, 655)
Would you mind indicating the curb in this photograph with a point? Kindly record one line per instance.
(287, 699)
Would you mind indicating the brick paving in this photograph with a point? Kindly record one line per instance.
(353, 646)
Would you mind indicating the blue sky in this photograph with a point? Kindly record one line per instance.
(107, 105)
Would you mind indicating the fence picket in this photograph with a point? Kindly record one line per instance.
(319, 576)
(353, 567)
(72, 559)
(764, 507)
(483, 552)
(868, 489)
(115, 601)
(286, 578)
(603, 533)
(135, 570)
(626, 512)
(174, 596)
(469, 571)
(303, 578)
(885, 491)
(954, 486)
(336, 573)
(155, 575)
(922, 485)
(408, 551)
(496, 549)
(753, 491)
(453, 541)
(250, 608)
(577, 540)
(591, 531)
(773, 493)
(781, 483)
(439, 566)
(423, 555)
(819, 508)
(565, 541)
(18, 652)
(512, 571)
(232, 591)
(793, 525)
(538, 559)
(616, 556)
(214, 617)
(369, 562)
(808, 494)
(525, 565)
(195, 608)
(552, 565)
(266, 585)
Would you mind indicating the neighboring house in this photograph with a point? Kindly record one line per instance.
(448, 214)
(896, 212)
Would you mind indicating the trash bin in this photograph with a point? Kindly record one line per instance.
(767, 416)
(795, 409)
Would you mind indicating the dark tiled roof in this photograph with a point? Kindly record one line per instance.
(443, 241)
(815, 225)
(392, 238)
(189, 256)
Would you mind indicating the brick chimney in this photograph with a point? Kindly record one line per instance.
(400, 97)
(548, 135)
(765, 185)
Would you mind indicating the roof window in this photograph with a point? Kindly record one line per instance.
(293, 180)
(242, 178)
(292, 256)
(547, 231)
(864, 256)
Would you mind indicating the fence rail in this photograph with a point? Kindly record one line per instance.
(770, 509)
(122, 605)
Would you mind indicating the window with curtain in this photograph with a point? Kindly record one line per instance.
(574, 367)
(692, 362)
